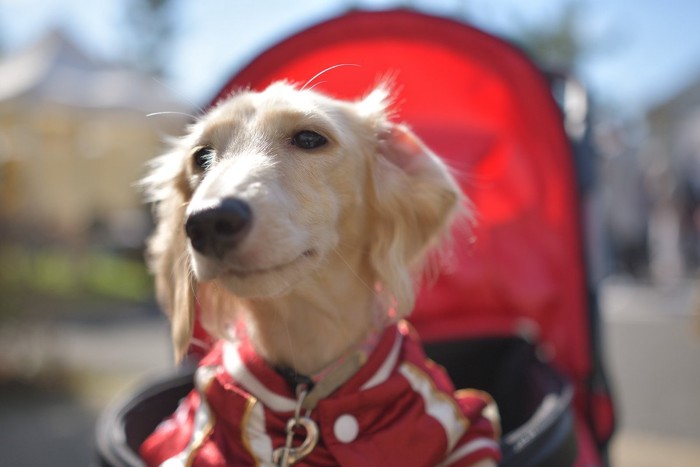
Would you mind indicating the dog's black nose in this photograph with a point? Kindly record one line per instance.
(217, 229)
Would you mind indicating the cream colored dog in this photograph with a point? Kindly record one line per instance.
(305, 218)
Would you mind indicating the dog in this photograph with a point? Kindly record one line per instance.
(296, 225)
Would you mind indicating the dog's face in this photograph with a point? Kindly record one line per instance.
(270, 175)
(268, 186)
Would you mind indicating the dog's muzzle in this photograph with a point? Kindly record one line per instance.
(215, 230)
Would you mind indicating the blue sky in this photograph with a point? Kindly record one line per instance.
(648, 48)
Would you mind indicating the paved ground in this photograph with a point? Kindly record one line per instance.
(652, 343)
(653, 349)
(88, 364)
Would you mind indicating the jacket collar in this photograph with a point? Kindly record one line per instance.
(364, 366)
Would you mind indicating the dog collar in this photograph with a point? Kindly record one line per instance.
(323, 383)
(311, 389)
(363, 367)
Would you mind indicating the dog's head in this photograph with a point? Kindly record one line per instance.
(267, 186)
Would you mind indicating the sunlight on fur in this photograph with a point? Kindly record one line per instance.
(298, 226)
(340, 198)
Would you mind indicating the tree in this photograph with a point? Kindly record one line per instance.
(151, 26)
(562, 46)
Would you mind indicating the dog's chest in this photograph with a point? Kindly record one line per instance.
(241, 408)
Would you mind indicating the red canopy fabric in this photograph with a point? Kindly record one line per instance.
(481, 105)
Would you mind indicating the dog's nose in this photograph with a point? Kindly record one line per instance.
(217, 229)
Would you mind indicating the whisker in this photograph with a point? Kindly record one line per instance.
(175, 92)
(182, 259)
(183, 262)
(290, 342)
(171, 112)
(317, 84)
(350, 246)
(325, 71)
(362, 281)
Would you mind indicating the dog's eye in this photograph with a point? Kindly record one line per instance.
(202, 157)
(308, 140)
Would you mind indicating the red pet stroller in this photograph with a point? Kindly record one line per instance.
(516, 315)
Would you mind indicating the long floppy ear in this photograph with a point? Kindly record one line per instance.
(415, 201)
(167, 256)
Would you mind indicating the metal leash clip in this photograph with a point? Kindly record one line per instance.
(288, 455)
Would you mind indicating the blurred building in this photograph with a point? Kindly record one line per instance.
(74, 139)
(673, 160)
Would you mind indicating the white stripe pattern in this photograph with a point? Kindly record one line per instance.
(235, 367)
(438, 405)
(384, 371)
(255, 433)
(202, 419)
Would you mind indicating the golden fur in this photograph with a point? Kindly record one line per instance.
(339, 231)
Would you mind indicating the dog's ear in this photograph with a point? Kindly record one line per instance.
(167, 256)
(415, 201)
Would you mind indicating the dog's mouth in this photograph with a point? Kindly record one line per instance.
(245, 273)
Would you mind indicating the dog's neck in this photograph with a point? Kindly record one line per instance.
(317, 322)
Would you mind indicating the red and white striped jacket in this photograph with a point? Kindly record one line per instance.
(399, 409)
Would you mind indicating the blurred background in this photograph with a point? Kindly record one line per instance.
(89, 90)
